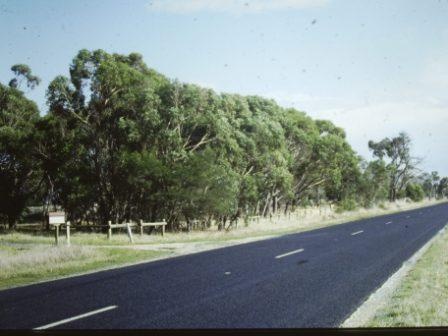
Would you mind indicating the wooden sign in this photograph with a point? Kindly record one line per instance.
(56, 218)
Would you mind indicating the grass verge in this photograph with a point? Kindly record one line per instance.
(22, 264)
(303, 219)
(420, 300)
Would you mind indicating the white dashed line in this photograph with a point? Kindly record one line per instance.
(54, 324)
(388, 223)
(357, 232)
(227, 273)
(289, 253)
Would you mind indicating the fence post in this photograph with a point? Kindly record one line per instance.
(67, 232)
(163, 227)
(128, 228)
(56, 233)
(109, 230)
(141, 227)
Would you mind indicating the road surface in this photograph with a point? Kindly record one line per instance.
(309, 279)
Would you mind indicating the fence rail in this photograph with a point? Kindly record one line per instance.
(58, 227)
(142, 225)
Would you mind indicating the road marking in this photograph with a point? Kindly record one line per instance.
(357, 232)
(289, 253)
(227, 273)
(388, 223)
(54, 324)
(408, 216)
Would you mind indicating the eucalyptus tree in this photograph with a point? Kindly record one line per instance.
(121, 142)
(269, 156)
(321, 157)
(107, 112)
(23, 74)
(442, 188)
(401, 165)
(19, 174)
(374, 182)
(435, 179)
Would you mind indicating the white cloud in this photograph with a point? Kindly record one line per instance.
(232, 6)
(425, 119)
(425, 122)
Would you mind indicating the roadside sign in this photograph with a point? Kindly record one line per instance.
(56, 218)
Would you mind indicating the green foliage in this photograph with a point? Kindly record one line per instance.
(347, 204)
(442, 188)
(400, 164)
(374, 183)
(415, 192)
(19, 174)
(430, 184)
(123, 142)
(22, 73)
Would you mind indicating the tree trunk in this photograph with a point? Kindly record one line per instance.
(287, 207)
(266, 205)
(257, 208)
(12, 223)
(274, 204)
(222, 223)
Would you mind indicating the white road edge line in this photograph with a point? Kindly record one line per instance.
(357, 232)
(93, 312)
(289, 253)
(388, 223)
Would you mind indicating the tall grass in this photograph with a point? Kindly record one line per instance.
(41, 257)
(26, 264)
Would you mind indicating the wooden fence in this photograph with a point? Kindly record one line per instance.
(109, 226)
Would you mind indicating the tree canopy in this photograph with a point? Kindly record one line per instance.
(123, 142)
(19, 177)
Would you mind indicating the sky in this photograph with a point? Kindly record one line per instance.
(374, 68)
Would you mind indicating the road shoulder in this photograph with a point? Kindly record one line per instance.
(380, 309)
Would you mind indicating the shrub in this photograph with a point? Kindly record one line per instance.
(415, 192)
(346, 204)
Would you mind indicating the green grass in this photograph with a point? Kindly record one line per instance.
(26, 264)
(421, 299)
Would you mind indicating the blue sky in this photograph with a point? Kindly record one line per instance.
(373, 67)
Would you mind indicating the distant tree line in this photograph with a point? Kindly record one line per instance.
(122, 142)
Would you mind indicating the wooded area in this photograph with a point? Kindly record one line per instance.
(122, 142)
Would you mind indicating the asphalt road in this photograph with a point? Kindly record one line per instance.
(310, 279)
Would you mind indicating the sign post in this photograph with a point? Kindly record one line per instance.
(129, 230)
(67, 232)
(56, 219)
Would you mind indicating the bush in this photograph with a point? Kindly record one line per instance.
(415, 192)
(402, 194)
(346, 204)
